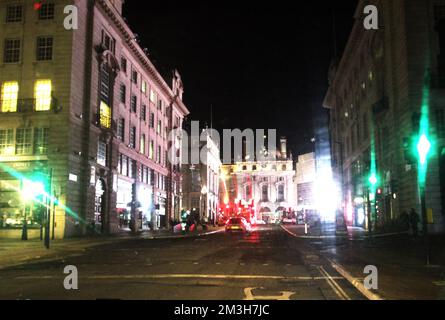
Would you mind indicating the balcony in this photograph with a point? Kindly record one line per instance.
(31, 106)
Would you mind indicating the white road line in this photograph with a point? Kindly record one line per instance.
(187, 276)
(439, 283)
(334, 285)
(355, 282)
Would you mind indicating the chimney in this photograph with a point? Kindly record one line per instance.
(283, 147)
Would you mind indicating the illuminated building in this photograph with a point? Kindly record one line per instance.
(201, 182)
(379, 91)
(269, 184)
(305, 181)
(91, 106)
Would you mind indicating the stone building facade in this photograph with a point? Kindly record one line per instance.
(376, 93)
(89, 106)
(268, 185)
(201, 182)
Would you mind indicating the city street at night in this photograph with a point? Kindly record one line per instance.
(267, 263)
(239, 153)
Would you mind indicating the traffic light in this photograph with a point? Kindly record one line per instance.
(373, 180)
(423, 149)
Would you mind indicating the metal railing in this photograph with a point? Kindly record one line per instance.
(29, 105)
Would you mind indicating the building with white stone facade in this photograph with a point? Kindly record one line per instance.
(267, 185)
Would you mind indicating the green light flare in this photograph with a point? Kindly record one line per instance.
(424, 144)
(35, 194)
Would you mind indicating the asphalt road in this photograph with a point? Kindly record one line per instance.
(267, 264)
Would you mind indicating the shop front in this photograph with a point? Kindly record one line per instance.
(21, 200)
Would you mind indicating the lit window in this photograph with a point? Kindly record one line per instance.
(42, 94)
(7, 142)
(153, 96)
(142, 144)
(105, 115)
(144, 87)
(151, 150)
(10, 91)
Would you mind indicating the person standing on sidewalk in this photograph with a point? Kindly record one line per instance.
(414, 221)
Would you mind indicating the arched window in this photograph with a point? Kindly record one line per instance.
(265, 193)
(280, 197)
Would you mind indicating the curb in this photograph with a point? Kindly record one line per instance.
(355, 282)
(383, 235)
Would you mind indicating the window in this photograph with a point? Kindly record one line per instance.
(7, 142)
(23, 141)
(12, 51)
(159, 104)
(264, 193)
(42, 95)
(41, 141)
(247, 192)
(133, 137)
(153, 96)
(151, 150)
(105, 84)
(144, 87)
(124, 65)
(280, 197)
(14, 13)
(46, 11)
(102, 153)
(108, 42)
(159, 155)
(152, 120)
(134, 103)
(10, 91)
(134, 77)
(142, 144)
(144, 113)
(44, 48)
(121, 130)
(124, 165)
(123, 94)
(158, 129)
(105, 115)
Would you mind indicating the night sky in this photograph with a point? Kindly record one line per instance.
(261, 66)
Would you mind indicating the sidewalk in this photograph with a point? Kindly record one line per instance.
(17, 252)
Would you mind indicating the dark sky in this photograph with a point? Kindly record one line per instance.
(261, 66)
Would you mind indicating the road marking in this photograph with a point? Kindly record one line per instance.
(265, 265)
(439, 283)
(334, 285)
(285, 295)
(195, 263)
(187, 276)
(355, 282)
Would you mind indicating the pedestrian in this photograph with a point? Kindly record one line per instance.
(404, 221)
(414, 221)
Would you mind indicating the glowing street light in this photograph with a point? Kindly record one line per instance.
(373, 180)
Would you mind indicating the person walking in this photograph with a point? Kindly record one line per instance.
(414, 221)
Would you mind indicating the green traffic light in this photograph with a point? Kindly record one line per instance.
(423, 149)
(373, 180)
